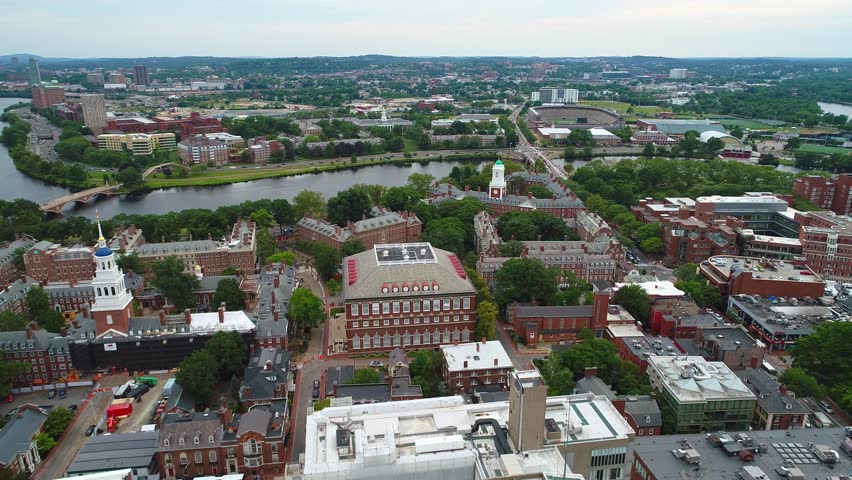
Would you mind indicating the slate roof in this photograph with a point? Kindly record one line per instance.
(17, 436)
(262, 382)
(555, 311)
(594, 385)
(340, 375)
(267, 327)
(644, 410)
(372, 275)
(187, 426)
(365, 393)
(768, 393)
(117, 451)
(256, 420)
(180, 399)
(7, 250)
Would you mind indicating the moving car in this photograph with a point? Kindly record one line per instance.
(51, 394)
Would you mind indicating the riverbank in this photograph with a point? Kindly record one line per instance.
(210, 178)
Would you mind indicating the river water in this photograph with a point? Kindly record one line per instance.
(14, 184)
(836, 108)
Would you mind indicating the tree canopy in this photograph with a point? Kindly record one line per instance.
(524, 280)
(305, 308)
(197, 375)
(634, 299)
(228, 292)
(173, 283)
(230, 352)
(348, 206)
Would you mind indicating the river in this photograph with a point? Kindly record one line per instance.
(14, 184)
(836, 108)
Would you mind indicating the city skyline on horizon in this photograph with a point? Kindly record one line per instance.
(676, 29)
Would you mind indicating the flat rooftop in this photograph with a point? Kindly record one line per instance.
(716, 464)
(476, 356)
(694, 379)
(656, 289)
(763, 270)
(787, 315)
(414, 434)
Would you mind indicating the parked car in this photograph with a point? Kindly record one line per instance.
(826, 406)
(73, 408)
(51, 394)
(63, 393)
(376, 363)
(316, 392)
(316, 383)
(90, 430)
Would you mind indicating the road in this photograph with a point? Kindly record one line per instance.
(74, 438)
(651, 266)
(43, 135)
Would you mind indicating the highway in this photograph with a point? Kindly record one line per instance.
(532, 153)
(43, 136)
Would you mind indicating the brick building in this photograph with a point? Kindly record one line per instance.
(406, 295)
(203, 150)
(826, 240)
(8, 268)
(49, 262)
(730, 344)
(384, 227)
(559, 323)
(592, 228)
(261, 149)
(826, 193)
(635, 346)
(46, 352)
(275, 287)
(265, 380)
(131, 125)
(778, 322)
(563, 204)
(776, 408)
(734, 275)
(48, 95)
(213, 257)
(194, 124)
(689, 240)
(467, 365)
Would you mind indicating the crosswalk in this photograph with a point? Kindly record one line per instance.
(640, 266)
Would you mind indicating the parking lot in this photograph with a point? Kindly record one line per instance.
(75, 396)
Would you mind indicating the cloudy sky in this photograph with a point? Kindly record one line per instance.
(282, 28)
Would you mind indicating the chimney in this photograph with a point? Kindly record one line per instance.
(465, 364)
(268, 365)
(275, 315)
(222, 312)
(782, 389)
(495, 362)
(246, 392)
(590, 372)
(162, 314)
(529, 195)
(76, 324)
(467, 188)
(477, 347)
(273, 297)
(187, 316)
(64, 331)
(484, 340)
(30, 333)
(335, 388)
(276, 283)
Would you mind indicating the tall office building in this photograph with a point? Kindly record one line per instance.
(140, 75)
(33, 73)
(94, 112)
(558, 95)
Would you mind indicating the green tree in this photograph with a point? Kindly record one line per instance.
(348, 205)
(174, 284)
(265, 245)
(539, 191)
(559, 379)
(40, 311)
(7, 474)
(420, 182)
(486, 321)
(799, 381)
(11, 321)
(351, 247)
(44, 443)
(309, 204)
(230, 352)
(130, 178)
(197, 375)
(288, 258)
(262, 218)
(364, 376)
(827, 353)
(72, 149)
(326, 259)
(129, 262)
(57, 421)
(9, 371)
(306, 309)
(425, 370)
(400, 199)
(634, 299)
(446, 233)
(580, 137)
(512, 248)
(230, 271)
(649, 150)
(652, 245)
(228, 292)
(524, 280)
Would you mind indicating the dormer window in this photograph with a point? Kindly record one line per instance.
(195, 440)
(180, 441)
(166, 442)
(210, 439)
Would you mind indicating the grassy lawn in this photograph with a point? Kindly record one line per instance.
(824, 149)
(410, 145)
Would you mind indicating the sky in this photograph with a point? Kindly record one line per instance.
(547, 28)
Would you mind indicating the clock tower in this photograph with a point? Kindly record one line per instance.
(497, 187)
(112, 308)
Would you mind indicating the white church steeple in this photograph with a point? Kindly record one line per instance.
(497, 187)
(112, 307)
